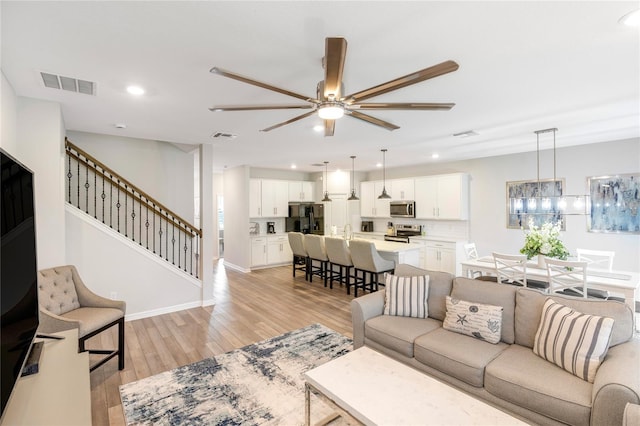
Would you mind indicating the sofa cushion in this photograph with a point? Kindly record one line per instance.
(474, 319)
(398, 333)
(572, 340)
(457, 355)
(519, 376)
(406, 296)
(529, 310)
(439, 287)
(491, 294)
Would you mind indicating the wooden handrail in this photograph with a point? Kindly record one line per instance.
(129, 187)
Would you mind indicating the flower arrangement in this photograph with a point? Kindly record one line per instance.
(544, 240)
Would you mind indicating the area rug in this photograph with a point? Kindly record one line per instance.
(259, 384)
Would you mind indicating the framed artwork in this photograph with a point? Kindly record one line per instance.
(520, 209)
(613, 204)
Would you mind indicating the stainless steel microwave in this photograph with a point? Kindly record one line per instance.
(402, 208)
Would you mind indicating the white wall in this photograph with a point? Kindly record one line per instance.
(158, 168)
(40, 141)
(8, 118)
(110, 263)
(487, 224)
(237, 248)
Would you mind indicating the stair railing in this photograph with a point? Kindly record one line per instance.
(100, 192)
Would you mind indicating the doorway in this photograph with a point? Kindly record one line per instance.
(220, 217)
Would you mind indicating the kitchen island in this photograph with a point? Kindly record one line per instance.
(408, 253)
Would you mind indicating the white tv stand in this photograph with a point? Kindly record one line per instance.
(60, 393)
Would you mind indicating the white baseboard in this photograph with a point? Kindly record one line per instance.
(236, 267)
(164, 310)
(208, 302)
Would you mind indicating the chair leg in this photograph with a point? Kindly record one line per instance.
(121, 344)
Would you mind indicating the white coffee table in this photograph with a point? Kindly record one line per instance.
(374, 389)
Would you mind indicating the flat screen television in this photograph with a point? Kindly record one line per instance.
(18, 276)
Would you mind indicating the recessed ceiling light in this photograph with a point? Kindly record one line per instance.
(318, 127)
(121, 126)
(435, 155)
(631, 19)
(378, 164)
(135, 90)
(293, 166)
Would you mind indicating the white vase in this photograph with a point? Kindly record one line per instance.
(541, 263)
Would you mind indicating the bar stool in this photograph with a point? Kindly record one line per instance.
(300, 257)
(340, 256)
(314, 244)
(367, 260)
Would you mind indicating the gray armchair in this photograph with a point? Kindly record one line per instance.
(66, 303)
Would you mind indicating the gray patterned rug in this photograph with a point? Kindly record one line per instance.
(260, 384)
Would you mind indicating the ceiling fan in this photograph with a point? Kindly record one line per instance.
(331, 104)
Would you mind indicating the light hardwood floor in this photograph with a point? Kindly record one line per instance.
(248, 308)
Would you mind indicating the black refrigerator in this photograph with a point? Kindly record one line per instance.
(305, 218)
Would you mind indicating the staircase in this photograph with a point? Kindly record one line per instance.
(109, 198)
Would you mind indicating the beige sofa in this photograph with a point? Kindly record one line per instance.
(508, 374)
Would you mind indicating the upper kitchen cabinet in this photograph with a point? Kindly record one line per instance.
(268, 198)
(255, 198)
(370, 205)
(301, 191)
(442, 197)
(275, 198)
(403, 189)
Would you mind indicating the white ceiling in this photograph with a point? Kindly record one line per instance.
(524, 66)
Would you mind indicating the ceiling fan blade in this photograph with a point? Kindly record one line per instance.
(225, 73)
(335, 52)
(292, 120)
(406, 105)
(373, 120)
(257, 107)
(329, 127)
(407, 80)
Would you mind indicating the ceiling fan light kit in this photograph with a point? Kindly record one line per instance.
(330, 104)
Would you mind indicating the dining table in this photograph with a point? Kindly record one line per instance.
(622, 283)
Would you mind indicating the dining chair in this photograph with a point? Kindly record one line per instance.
(339, 256)
(368, 261)
(511, 268)
(314, 244)
(300, 256)
(597, 259)
(472, 253)
(566, 275)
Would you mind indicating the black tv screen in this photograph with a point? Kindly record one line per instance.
(18, 276)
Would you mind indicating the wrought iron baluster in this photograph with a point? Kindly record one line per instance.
(118, 205)
(140, 220)
(166, 238)
(95, 195)
(86, 191)
(78, 184)
(69, 176)
(160, 233)
(103, 196)
(179, 232)
(110, 201)
(126, 234)
(154, 228)
(146, 223)
(191, 262)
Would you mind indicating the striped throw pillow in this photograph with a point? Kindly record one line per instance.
(572, 340)
(406, 296)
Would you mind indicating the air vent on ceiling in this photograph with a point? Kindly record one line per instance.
(224, 135)
(67, 83)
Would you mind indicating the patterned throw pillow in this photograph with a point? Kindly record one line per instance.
(474, 319)
(572, 340)
(406, 296)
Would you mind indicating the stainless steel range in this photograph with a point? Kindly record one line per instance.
(404, 233)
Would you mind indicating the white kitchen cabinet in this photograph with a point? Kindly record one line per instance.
(278, 250)
(258, 251)
(442, 197)
(255, 198)
(275, 198)
(403, 189)
(301, 191)
(443, 256)
(370, 205)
